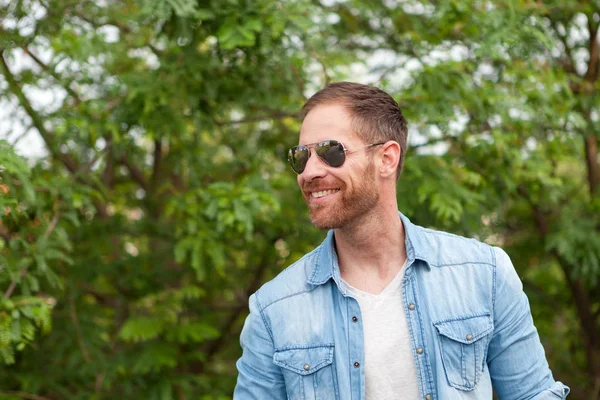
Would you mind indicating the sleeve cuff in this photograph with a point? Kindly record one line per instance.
(557, 391)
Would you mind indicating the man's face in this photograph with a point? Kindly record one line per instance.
(336, 196)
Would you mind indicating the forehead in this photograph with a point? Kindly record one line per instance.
(327, 121)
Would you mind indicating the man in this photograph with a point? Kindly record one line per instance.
(384, 309)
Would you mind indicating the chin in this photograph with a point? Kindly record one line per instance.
(328, 221)
(323, 225)
(322, 222)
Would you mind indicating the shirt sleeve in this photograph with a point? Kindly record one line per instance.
(258, 376)
(516, 359)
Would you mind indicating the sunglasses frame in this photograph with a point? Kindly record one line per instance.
(322, 143)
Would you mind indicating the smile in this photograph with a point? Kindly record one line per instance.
(323, 193)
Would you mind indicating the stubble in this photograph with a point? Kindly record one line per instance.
(350, 206)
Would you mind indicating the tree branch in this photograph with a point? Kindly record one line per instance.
(578, 291)
(53, 73)
(594, 49)
(326, 78)
(21, 136)
(112, 104)
(543, 294)
(541, 221)
(75, 320)
(25, 395)
(87, 167)
(69, 162)
(135, 173)
(99, 381)
(569, 64)
(214, 346)
(123, 28)
(4, 233)
(13, 284)
(107, 176)
(591, 141)
(273, 115)
(299, 82)
(591, 160)
(158, 156)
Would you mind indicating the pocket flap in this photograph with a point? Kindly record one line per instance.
(304, 360)
(466, 329)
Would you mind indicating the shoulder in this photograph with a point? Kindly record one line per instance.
(441, 249)
(290, 282)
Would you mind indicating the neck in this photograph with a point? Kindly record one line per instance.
(372, 248)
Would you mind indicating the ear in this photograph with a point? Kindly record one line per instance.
(390, 157)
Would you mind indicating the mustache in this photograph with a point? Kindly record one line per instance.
(313, 186)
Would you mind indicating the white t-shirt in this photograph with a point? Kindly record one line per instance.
(389, 365)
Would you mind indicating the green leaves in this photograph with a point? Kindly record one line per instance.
(578, 244)
(31, 239)
(232, 34)
(452, 194)
(20, 318)
(142, 329)
(165, 200)
(164, 315)
(192, 332)
(222, 210)
(14, 171)
(155, 357)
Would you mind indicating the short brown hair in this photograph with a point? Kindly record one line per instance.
(376, 117)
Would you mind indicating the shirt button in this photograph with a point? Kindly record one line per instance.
(354, 319)
(469, 336)
(356, 364)
(420, 350)
(306, 367)
(428, 397)
(411, 306)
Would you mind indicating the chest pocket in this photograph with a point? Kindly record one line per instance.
(463, 345)
(308, 372)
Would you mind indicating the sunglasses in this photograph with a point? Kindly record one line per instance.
(331, 152)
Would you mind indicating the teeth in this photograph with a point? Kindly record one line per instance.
(323, 193)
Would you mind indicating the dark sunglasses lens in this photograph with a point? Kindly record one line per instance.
(298, 157)
(332, 152)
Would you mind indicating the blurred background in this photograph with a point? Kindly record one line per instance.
(145, 192)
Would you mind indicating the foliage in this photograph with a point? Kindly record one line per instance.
(129, 251)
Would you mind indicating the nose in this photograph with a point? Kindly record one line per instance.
(315, 168)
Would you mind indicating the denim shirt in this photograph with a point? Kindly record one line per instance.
(469, 322)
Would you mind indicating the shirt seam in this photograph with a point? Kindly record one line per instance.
(267, 327)
(436, 232)
(461, 318)
(463, 263)
(420, 230)
(303, 259)
(424, 380)
(307, 347)
(288, 296)
(317, 255)
(495, 268)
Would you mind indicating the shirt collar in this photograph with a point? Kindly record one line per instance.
(326, 266)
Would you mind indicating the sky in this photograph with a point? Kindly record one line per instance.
(14, 122)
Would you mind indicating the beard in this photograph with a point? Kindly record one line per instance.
(349, 207)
